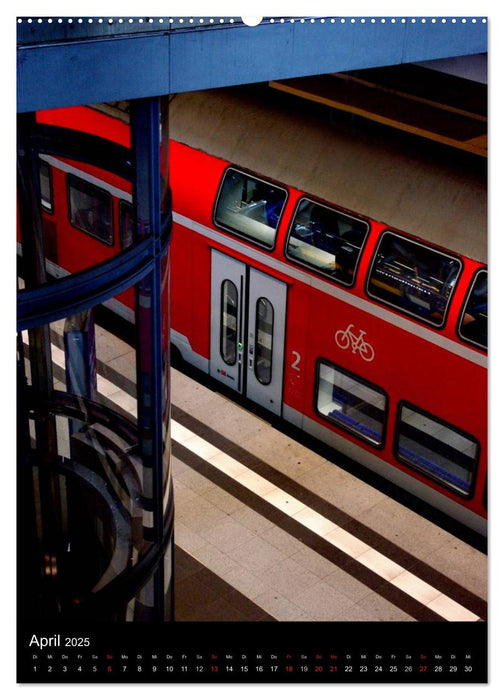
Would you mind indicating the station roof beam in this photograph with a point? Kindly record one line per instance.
(69, 61)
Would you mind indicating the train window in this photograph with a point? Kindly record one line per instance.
(126, 225)
(264, 341)
(90, 209)
(351, 403)
(249, 207)
(414, 278)
(436, 449)
(229, 322)
(46, 191)
(473, 325)
(326, 240)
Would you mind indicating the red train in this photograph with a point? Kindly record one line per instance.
(369, 338)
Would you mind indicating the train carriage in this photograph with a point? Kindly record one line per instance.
(287, 288)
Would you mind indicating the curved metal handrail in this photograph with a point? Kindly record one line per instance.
(84, 289)
(124, 585)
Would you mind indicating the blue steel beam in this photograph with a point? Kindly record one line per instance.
(58, 67)
(152, 345)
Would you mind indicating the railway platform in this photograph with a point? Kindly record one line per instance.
(276, 551)
(267, 528)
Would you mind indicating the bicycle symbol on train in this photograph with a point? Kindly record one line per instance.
(347, 338)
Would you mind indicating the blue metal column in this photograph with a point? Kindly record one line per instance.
(102, 493)
(30, 225)
(153, 355)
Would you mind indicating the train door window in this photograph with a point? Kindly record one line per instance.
(90, 209)
(326, 240)
(438, 450)
(413, 277)
(126, 225)
(473, 325)
(263, 341)
(46, 191)
(229, 322)
(249, 207)
(351, 403)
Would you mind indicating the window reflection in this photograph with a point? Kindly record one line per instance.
(90, 209)
(126, 224)
(229, 322)
(413, 277)
(474, 321)
(326, 240)
(46, 193)
(351, 403)
(250, 207)
(264, 341)
(436, 449)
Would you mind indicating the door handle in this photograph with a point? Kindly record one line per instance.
(251, 354)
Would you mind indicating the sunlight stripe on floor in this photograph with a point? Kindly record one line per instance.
(347, 543)
(344, 541)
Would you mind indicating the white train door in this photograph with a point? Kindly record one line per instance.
(265, 340)
(227, 315)
(247, 331)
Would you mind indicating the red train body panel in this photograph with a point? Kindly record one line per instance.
(410, 369)
(403, 394)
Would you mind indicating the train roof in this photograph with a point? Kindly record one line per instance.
(426, 189)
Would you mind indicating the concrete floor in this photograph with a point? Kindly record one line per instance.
(271, 563)
(244, 553)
